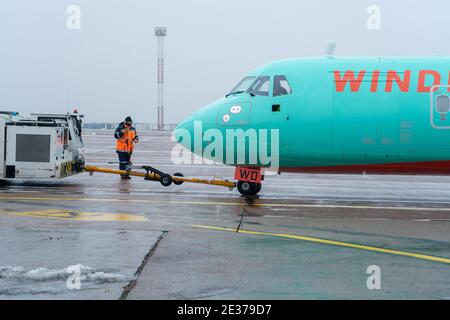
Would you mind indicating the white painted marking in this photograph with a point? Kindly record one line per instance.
(236, 109)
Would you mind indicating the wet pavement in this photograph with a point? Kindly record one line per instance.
(304, 237)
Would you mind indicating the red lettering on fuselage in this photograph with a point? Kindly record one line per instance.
(349, 76)
(374, 85)
(426, 80)
(402, 84)
(449, 82)
(422, 87)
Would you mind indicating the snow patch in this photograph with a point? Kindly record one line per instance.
(86, 274)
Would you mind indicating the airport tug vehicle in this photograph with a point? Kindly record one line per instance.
(40, 146)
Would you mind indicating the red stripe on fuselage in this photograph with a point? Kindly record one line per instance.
(407, 168)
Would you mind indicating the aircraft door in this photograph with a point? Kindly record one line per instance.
(440, 107)
(281, 96)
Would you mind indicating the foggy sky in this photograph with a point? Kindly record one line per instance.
(108, 68)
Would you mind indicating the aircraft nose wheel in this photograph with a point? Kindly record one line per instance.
(248, 188)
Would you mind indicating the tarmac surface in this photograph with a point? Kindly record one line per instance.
(304, 237)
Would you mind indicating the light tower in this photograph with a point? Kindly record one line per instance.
(160, 33)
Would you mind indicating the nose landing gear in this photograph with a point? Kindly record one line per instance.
(249, 180)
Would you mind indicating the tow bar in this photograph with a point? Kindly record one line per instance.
(164, 178)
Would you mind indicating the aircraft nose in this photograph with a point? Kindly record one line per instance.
(191, 130)
(183, 131)
(187, 124)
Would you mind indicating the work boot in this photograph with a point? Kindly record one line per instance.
(125, 177)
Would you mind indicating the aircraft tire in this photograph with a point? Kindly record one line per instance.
(166, 180)
(248, 188)
(178, 175)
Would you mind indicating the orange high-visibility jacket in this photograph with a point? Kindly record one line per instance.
(125, 140)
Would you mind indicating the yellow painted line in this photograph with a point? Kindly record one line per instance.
(335, 243)
(78, 215)
(276, 205)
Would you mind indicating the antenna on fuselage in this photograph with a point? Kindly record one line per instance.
(331, 48)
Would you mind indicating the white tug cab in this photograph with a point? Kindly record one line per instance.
(40, 146)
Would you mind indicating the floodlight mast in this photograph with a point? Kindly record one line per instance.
(160, 33)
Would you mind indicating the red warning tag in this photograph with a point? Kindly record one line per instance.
(248, 174)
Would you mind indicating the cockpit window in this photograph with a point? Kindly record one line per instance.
(281, 86)
(243, 85)
(260, 87)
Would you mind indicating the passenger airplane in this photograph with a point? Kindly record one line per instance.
(340, 115)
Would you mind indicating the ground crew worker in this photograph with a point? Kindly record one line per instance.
(126, 138)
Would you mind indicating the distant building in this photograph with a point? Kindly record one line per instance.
(138, 126)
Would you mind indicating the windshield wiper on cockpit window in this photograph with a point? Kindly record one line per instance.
(232, 93)
(238, 92)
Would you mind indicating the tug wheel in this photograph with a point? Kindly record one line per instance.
(165, 180)
(178, 182)
(248, 188)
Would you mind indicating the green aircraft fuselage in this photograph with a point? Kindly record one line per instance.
(349, 115)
